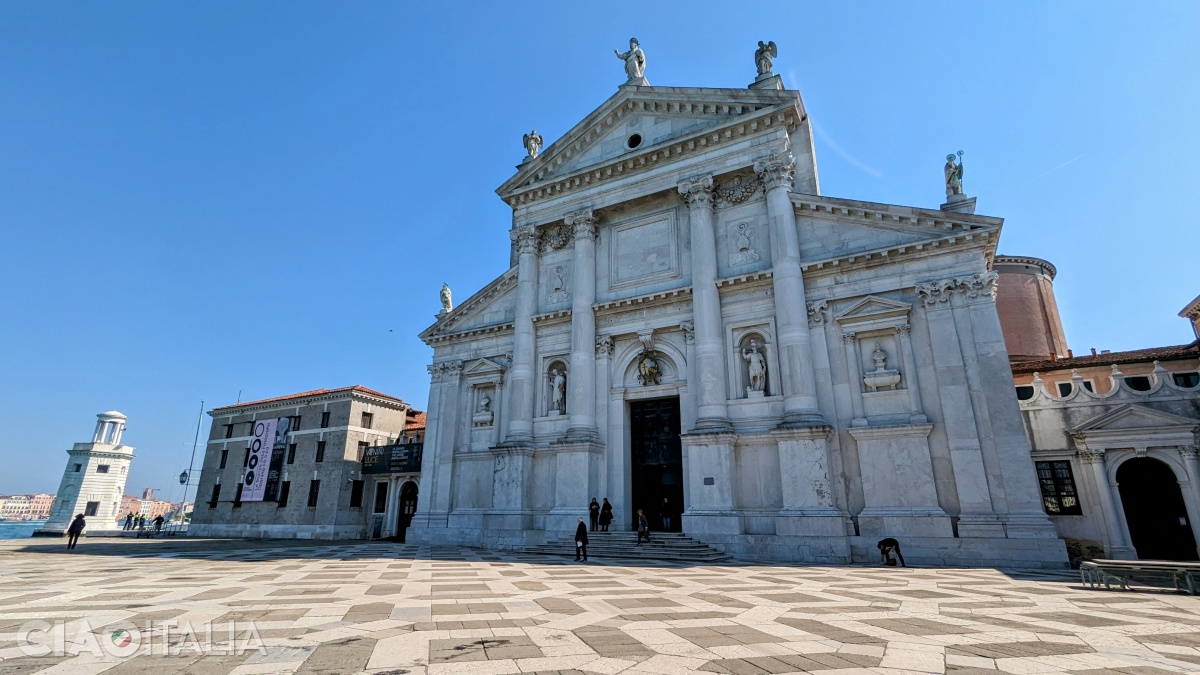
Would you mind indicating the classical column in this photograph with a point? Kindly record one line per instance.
(1119, 547)
(1191, 487)
(706, 307)
(520, 405)
(916, 412)
(854, 372)
(799, 379)
(581, 402)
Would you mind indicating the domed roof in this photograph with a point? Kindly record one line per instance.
(112, 415)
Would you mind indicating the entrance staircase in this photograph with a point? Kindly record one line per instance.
(663, 547)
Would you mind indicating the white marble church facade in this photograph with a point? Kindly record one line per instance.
(838, 365)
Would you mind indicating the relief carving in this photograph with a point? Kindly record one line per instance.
(558, 286)
(881, 377)
(743, 252)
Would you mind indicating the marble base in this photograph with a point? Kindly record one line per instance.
(959, 204)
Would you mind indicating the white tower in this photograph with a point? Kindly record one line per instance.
(94, 480)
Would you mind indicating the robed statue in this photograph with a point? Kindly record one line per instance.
(635, 63)
(756, 367)
(533, 143)
(953, 174)
(763, 56)
(447, 299)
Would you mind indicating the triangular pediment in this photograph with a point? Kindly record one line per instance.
(491, 307)
(658, 115)
(1134, 416)
(483, 367)
(873, 307)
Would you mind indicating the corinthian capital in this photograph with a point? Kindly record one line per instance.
(583, 223)
(526, 238)
(777, 170)
(697, 191)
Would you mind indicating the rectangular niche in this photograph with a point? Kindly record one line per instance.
(645, 249)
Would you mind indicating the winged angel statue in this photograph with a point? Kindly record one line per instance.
(763, 56)
(533, 143)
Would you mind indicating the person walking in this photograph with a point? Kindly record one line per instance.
(581, 541)
(158, 524)
(75, 529)
(643, 528)
(141, 522)
(594, 512)
(605, 515)
(666, 515)
(129, 520)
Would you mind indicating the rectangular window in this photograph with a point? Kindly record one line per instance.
(314, 489)
(1186, 379)
(216, 494)
(1058, 489)
(91, 509)
(78, 468)
(362, 450)
(228, 431)
(356, 494)
(1024, 392)
(293, 424)
(380, 497)
(366, 420)
(237, 497)
(1064, 388)
(101, 468)
(284, 488)
(246, 459)
(325, 420)
(224, 458)
(291, 453)
(320, 451)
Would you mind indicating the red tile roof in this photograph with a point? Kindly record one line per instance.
(415, 421)
(315, 392)
(1190, 351)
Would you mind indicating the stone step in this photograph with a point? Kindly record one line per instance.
(670, 546)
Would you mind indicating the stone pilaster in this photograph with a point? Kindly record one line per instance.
(799, 380)
(1117, 544)
(437, 469)
(854, 372)
(524, 379)
(711, 388)
(916, 412)
(582, 395)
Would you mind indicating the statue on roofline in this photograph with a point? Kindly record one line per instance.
(763, 56)
(953, 173)
(635, 63)
(533, 143)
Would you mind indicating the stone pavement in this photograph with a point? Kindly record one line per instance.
(365, 607)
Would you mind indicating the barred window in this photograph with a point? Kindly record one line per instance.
(314, 490)
(1058, 489)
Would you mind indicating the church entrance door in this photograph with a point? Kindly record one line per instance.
(1154, 511)
(656, 461)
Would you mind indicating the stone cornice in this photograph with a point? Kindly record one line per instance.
(659, 297)
(553, 317)
(660, 154)
(445, 338)
(876, 256)
(749, 277)
(899, 217)
(1043, 265)
(501, 285)
(304, 401)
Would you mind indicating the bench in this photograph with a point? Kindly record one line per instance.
(1184, 575)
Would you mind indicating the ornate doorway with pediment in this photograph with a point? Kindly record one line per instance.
(1155, 511)
(656, 461)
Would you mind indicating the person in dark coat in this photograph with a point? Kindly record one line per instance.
(594, 512)
(158, 524)
(75, 529)
(129, 520)
(605, 515)
(643, 528)
(666, 515)
(886, 548)
(581, 541)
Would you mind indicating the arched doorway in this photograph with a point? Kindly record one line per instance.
(1154, 511)
(408, 506)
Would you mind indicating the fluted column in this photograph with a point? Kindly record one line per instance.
(799, 379)
(706, 307)
(520, 404)
(581, 402)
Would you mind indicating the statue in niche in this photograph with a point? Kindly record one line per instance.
(756, 368)
(447, 299)
(485, 403)
(745, 246)
(533, 143)
(483, 415)
(558, 285)
(763, 56)
(881, 377)
(954, 174)
(558, 391)
(635, 63)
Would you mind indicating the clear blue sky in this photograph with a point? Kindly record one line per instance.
(202, 198)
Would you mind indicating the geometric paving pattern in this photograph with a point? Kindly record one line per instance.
(324, 607)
